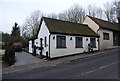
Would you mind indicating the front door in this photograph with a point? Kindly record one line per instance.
(41, 42)
(115, 39)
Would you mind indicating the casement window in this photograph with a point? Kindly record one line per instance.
(106, 36)
(93, 42)
(78, 42)
(61, 41)
(45, 41)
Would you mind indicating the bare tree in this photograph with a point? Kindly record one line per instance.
(75, 14)
(95, 11)
(99, 12)
(110, 12)
(52, 15)
(91, 10)
(62, 16)
(32, 23)
(117, 8)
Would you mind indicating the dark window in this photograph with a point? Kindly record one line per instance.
(93, 42)
(61, 42)
(78, 42)
(45, 41)
(106, 36)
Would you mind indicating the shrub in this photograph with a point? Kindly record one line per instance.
(26, 49)
(9, 56)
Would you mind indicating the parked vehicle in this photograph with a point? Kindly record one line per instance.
(17, 46)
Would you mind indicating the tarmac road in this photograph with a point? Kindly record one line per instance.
(23, 58)
(103, 66)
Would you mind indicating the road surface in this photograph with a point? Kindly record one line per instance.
(23, 58)
(103, 66)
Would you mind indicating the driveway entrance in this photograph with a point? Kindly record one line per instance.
(23, 58)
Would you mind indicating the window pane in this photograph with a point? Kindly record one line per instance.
(58, 41)
(106, 36)
(93, 42)
(78, 41)
(61, 41)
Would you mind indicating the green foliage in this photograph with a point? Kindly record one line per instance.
(15, 30)
(15, 36)
(5, 40)
(9, 39)
(9, 56)
(26, 49)
(19, 39)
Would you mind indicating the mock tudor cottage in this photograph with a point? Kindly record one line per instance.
(109, 32)
(56, 38)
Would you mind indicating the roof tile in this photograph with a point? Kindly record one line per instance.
(66, 27)
(106, 24)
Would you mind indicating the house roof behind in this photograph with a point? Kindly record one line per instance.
(33, 38)
(65, 27)
(106, 24)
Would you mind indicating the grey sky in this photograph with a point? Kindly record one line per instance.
(12, 11)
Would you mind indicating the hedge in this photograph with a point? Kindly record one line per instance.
(9, 56)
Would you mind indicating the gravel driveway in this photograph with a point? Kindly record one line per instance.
(23, 58)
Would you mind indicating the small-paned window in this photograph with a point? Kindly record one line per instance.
(93, 42)
(61, 41)
(106, 36)
(78, 42)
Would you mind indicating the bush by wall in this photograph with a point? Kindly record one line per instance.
(26, 49)
(9, 56)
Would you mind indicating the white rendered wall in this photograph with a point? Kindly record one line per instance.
(104, 44)
(70, 44)
(42, 33)
(30, 46)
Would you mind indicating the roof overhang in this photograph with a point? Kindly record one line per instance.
(74, 34)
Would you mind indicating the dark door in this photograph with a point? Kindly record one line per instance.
(115, 38)
(33, 48)
(41, 40)
(34, 52)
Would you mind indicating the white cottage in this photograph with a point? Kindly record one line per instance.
(109, 32)
(56, 38)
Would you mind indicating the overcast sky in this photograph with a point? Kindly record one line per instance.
(12, 11)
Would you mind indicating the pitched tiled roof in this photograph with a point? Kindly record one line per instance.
(65, 27)
(106, 24)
